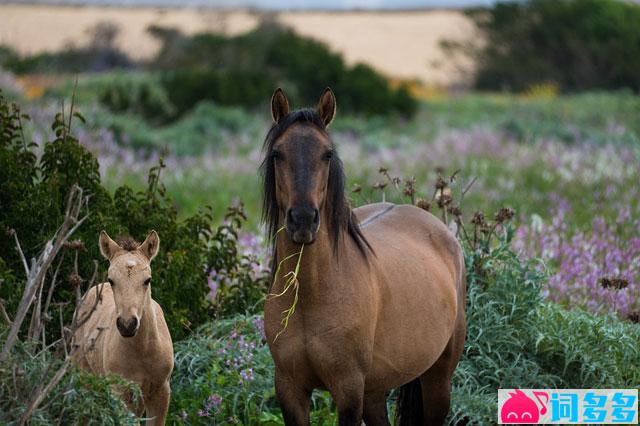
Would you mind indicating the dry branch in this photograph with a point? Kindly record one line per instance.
(40, 266)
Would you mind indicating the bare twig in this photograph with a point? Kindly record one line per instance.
(21, 253)
(40, 266)
(3, 313)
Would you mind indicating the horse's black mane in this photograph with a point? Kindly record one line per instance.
(341, 217)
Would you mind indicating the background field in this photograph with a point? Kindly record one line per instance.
(173, 120)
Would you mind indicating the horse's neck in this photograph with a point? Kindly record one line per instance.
(316, 262)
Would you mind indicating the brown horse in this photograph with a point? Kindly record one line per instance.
(127, 333)
(381, 292)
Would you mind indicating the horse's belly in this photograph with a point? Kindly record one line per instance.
(416, 319)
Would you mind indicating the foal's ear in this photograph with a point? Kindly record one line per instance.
(150, 245)
(108, 247)
(279, 105)
(327, 106)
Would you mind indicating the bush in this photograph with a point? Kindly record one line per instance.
(187, 87)
(576, 44)
(189, 247)
(244, 70)
(515, 340)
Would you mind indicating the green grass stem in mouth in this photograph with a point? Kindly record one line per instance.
(291, 281)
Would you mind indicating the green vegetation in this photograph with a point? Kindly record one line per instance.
(243, 70)
(234, 71)
(517, 340)
(574, 44)
(79, 398)
(190, 246)
(175, 144)
(223, 367)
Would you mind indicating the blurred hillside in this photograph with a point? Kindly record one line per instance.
(398, 44)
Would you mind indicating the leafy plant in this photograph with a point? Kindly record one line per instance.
(224, 375)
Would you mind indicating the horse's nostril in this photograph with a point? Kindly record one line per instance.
(303, 216)
(127, 328)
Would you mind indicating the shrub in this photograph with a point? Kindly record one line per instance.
(515, 340)
(187, 87)
(577, 44)
(244, 70)
(224, 375)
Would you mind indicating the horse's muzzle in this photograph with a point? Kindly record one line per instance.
(127, 328)
(302, 224)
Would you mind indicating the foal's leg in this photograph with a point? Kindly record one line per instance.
(294, 400)
(157, 404)
(375, 410)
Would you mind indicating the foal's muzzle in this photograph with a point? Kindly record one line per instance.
(302, 224)
(127, 328)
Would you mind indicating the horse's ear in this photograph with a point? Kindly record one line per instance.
(279, 105)
(327, 106)
(108, 247)
(150, 245)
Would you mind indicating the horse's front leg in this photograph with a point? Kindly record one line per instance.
(348, 394)
(157, 405)
(294, 400)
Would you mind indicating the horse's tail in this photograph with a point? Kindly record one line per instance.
(409, 408)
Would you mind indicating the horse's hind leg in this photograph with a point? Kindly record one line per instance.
(436, 381)
(294, 401)
(375, 410)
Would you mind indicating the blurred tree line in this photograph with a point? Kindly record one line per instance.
(241, 70)
(574, 44)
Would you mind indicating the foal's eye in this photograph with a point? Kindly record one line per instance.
(276, 155)
(147, 282)
(327, 155)
(111, 282)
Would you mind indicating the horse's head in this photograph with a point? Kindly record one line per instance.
(130, 278)
(301, 167)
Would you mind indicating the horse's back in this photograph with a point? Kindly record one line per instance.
(387, 224)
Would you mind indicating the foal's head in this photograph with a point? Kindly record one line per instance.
(130, 278)
(303, 176)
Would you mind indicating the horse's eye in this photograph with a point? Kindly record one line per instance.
(328, 155)
(276, 155)
(147, 281)
(111, 282)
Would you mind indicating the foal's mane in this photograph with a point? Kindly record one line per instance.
(341, 217)
(127, 243)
